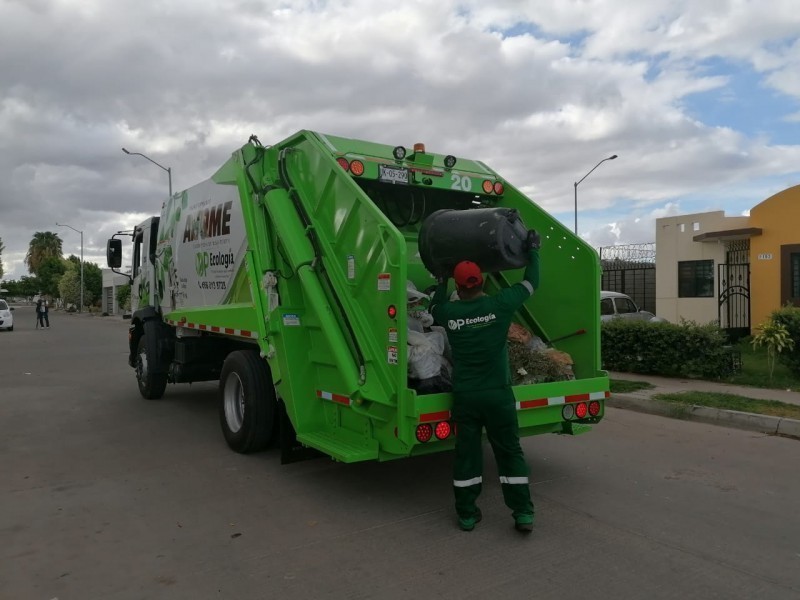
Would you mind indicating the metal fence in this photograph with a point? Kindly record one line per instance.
(631, 269)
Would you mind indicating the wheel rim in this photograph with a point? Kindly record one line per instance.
(233, 398)
(141, 366)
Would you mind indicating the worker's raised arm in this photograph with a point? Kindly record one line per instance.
(517, 294)
(439, 295)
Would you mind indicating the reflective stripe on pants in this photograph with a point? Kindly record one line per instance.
(462, 483)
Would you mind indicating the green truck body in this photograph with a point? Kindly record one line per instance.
(284, 277)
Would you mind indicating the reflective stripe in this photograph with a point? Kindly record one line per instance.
(513, 480)
(528, 285)
(467, 482)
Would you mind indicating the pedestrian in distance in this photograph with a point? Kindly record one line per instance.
(43, 312)
(477, 328)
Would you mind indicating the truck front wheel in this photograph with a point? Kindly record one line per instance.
(151, 385)
(247, 402)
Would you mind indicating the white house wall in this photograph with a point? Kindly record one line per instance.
(675, 243)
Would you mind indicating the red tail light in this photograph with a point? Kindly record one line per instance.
(498, 188)
(488, 186)
(594, 408)
(581, 409)
(424, 432)
(392, 311)
(343, 162)
(357, 167)
(442, 430)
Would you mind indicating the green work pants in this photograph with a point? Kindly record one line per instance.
(496, 411)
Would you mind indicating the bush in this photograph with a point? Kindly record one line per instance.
(673, 350)
(789, 317)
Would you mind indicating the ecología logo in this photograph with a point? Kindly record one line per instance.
(456, 324)
(203, 260)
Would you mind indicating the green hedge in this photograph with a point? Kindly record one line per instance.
(789, 317)
(673, 350)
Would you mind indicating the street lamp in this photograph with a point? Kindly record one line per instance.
(80, 308)
(167, 169)
(612, 157)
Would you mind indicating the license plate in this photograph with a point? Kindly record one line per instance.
(390, 174)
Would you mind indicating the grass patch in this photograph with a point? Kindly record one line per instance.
(625, 386)
(733, 402)
(755, 371)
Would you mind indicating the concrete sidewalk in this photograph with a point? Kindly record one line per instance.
(643, 401)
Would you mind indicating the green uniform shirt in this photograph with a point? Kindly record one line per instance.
(478, 331)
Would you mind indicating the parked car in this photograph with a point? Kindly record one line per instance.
(6, 318)
(615, 305)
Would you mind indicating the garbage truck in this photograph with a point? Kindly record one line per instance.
(284, 277)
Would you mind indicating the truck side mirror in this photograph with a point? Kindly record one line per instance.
(114, 253)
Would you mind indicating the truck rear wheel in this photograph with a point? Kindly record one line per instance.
(247, 406)
(151, 385)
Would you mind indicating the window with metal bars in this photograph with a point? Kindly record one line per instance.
(696, 279)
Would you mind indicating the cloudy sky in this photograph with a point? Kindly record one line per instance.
(699, 98)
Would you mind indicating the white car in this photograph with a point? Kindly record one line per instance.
(6, 318)
(614, 305)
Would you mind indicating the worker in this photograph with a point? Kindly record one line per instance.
(477, 328)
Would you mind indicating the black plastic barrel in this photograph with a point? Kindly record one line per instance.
(493, 238)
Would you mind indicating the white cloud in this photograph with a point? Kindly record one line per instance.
(188, 82)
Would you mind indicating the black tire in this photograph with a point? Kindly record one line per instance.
(151, 385)
(11, 328)
(247, 403)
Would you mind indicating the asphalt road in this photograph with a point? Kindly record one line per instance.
(104, 495)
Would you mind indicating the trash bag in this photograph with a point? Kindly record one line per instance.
(428, 369)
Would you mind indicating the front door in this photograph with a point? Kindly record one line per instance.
(734, 299)
(790, 274)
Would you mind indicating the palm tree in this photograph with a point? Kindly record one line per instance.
(45, 244)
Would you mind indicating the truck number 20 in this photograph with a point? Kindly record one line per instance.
(461, 182)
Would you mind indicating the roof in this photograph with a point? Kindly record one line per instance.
(728, 235)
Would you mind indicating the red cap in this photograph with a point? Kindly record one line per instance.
(467, 274)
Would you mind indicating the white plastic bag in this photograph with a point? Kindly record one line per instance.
(425, 354)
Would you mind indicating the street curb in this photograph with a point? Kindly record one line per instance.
(715, 416)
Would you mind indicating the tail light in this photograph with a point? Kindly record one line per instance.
(568, 412)
(357, 167)
(424, 432)
(594, 408)
(498, 188)
(392, 311)
(488, 186)
(442, 430)
(581, 409)
(343, 162)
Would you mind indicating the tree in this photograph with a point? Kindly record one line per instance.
(2, 247)
(92, 282)
(45, 244)
(776, 338)
(70, 287)
(26, 286)
(50, 272)
(124, 297)
(92, 279)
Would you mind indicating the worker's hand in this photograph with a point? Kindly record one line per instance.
(534, 240)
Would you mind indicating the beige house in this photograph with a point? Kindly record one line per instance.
(731, 270)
